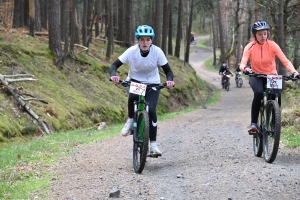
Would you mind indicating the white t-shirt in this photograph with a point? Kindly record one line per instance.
(144, 69)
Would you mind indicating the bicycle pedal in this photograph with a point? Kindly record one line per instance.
(153, 156)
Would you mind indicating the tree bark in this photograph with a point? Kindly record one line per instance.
(31, 17)
(170, 37)
(38, 23)
(281, 41)
(54, 31)
(157, 23)
(222, 46)
(179, 30)
(110, 34)
(84, 22)
(188, 33)
(165, 26)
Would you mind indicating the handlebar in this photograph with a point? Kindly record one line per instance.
(126, 83)
(285, 77)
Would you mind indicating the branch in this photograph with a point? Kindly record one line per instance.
(23, 105)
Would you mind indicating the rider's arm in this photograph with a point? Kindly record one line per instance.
(283, 58)
(246, 55)
(113, 68)
(168, 72)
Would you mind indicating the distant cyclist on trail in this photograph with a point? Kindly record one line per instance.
(236, 71)
(261, 51)
(192, 37)
(224, 70)
(144, 60)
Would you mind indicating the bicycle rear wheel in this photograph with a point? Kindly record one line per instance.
(271, 137)
(240, 82)
(141, 142)
(258, 138)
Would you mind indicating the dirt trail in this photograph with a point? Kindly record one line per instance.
(207, 154)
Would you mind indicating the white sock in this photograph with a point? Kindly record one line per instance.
(153, 144)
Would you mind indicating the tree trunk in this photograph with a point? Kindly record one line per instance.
(188, 33)
(54, 31)
(128, 21)
(84, 22)
(18, 19)
(179, 30)
(157, 23)
(214, 40)
(296, 61)
(222, 47)
(170, 37)
(38, 22)
(31, 17)
(110, 34)
(165, 26)
(281, 41)
(97, 12)
(72, 25)
(65, 25)
(121, 16)
(44, 14)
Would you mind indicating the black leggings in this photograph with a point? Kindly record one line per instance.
(152, 99)
(257, 85)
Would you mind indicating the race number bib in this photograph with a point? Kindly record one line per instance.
(274, 81)
(137, 88)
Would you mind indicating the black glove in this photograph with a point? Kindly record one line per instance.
(247, 70)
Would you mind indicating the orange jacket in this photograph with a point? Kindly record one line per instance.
(262, 57)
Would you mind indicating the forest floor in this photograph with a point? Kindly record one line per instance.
(207, 154)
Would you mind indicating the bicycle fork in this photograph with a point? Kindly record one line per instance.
(265, 101)
(139, 106)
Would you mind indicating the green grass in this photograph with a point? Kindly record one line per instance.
(290, 136)
(24, 166)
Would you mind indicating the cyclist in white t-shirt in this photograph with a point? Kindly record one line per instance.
(144, 60)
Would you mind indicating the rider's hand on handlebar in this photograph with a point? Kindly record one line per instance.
(296, 75)
(247, 70)
(170, 83)
(115, 79)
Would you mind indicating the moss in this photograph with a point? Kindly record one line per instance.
(79, 95)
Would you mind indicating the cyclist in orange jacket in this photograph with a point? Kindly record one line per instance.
(261, 51)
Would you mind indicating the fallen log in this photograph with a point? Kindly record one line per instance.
(24, 106)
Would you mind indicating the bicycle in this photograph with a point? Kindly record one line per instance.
(193, 42)
(238, 79)
(141, 122)
(266, 140)
(226, 81)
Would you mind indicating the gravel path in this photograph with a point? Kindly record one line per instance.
(207, 154)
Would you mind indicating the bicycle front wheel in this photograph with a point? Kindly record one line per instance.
(227, 86)
(141, 142)
(240, 82)
(258, 138)
(271, 137)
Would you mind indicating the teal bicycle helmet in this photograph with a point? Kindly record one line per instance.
(144, 30)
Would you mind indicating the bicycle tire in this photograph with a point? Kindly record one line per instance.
(141, 142)
(240, 83)
(258, 139)
(271, 137)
